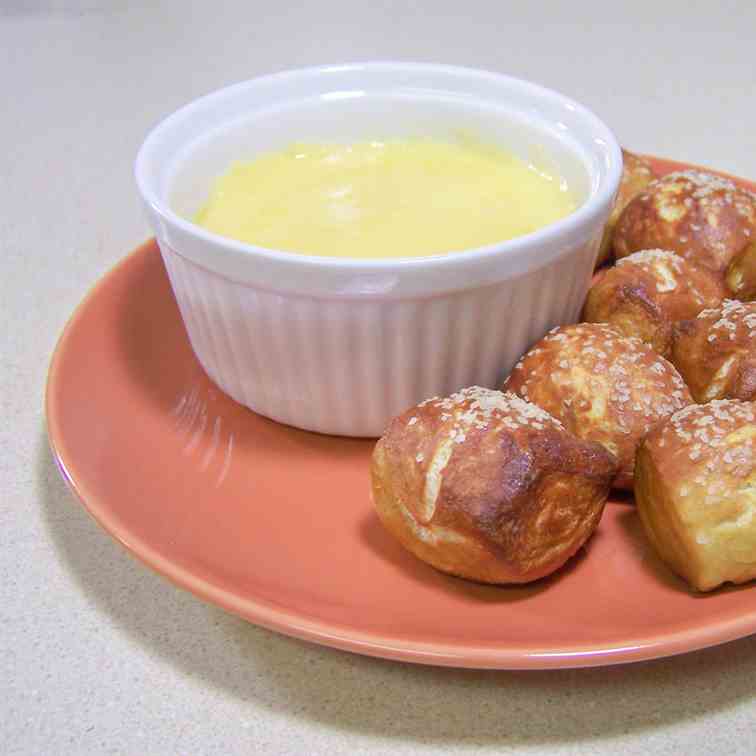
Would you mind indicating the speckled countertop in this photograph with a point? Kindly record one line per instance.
(99, 655)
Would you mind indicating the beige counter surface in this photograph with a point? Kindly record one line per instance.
(100, 655)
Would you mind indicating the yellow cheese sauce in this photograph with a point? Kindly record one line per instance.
(398, 198)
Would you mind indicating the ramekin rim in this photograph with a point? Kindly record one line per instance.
(568, 225)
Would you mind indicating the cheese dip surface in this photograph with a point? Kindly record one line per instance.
(383, 199)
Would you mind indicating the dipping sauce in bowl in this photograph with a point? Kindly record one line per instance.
(334, 290)
(394, 198)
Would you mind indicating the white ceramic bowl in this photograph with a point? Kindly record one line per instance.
(340, 346)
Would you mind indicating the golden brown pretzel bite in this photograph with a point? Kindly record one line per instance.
(487, 486)
(704, 218)
(603, 386)
(696, 492)
(646, 293)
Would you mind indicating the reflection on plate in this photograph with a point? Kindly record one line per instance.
(276, 524)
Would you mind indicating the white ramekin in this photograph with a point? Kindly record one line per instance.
(339, 345)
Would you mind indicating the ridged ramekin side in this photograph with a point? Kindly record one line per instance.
(347, 365)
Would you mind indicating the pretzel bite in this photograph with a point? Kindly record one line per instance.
(704, 218)
(637, 174)
(696, 492)
(716, 352)
(603, 387)
(740, 278)
(644, 294)
(487, 486)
